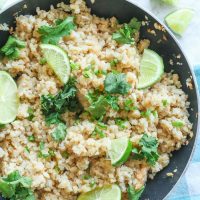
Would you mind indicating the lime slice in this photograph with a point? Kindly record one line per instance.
(57, 60)
(9, 101)
(179, 20)
(151, 69)
(120, 150)
(170, 2)
(109, 192)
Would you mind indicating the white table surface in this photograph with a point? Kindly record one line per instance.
(190, 41)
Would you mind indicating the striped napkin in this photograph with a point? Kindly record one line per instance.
(188, 187)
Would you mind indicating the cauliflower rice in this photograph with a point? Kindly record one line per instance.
(62, 176)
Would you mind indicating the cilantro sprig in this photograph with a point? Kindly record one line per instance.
(52, 34)
(134, 194)
(147, 149)
(12, 48)
(116, 84)
(54, 106)
(15, 186)
(125, 35)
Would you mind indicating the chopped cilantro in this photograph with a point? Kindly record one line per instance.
(31, 114)
(121, 123)
(148, 149)
(114, 62)
(51, 153)
(116, 84)
(134, 194)
(125, 35)
(98, 131)
(65, 154)
(100, 72)
(31, 138)
(52, 34)
(129, 105)
(43, 61)
(86, 177)
(113, 102)
(87, 73)
(2, 126)
(15, 187)
(146, 113)
(74, 66)
(98, 108)
(155, 113)
(59, 133)
(165, 102)
(177, 124)
(27, 149)
(53, 106)
(12, 47)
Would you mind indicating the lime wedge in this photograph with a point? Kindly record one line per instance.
(120, 150)
(151, 69)
(9, 101)
(109, 192)
(58, 60)
(179, 20)
(170, 2)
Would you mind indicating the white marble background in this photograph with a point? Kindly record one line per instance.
(190, 41)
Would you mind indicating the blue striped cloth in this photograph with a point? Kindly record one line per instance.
(188, 187)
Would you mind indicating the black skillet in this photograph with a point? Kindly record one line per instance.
(168, 48)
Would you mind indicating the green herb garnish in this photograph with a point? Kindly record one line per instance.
(52, 34)
(59, 133)
(16, 187)
(43, 61)
(31, 138)
(113, 102)
(31, 114)
(121, 123)
(147, 150)
(125, 35)
(114, 62)
(116, 84)
(165, 102)
(54, 106)
(134, 194)
(74, 66)
(177, 124)
(98, 108)
(146, 113)
(12, 47)
(129, 105)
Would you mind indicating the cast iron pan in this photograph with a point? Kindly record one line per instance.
(158, 188)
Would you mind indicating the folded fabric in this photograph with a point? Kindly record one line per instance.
(188, 188)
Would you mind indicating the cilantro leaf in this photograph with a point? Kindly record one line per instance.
(113, 102)
(177, 124)
(15, 187)
(134, 194)
(98, 108)
(148, 149)
(125, 35)
(30, 113)
(11, 48)
(116, 84)
(53, 106)
(60, 132)
(52, 34)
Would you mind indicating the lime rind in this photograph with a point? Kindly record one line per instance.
(107, 192)
(120, 150)
(151, 69)
(9, 100)
(58, 60)
(179, 20)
